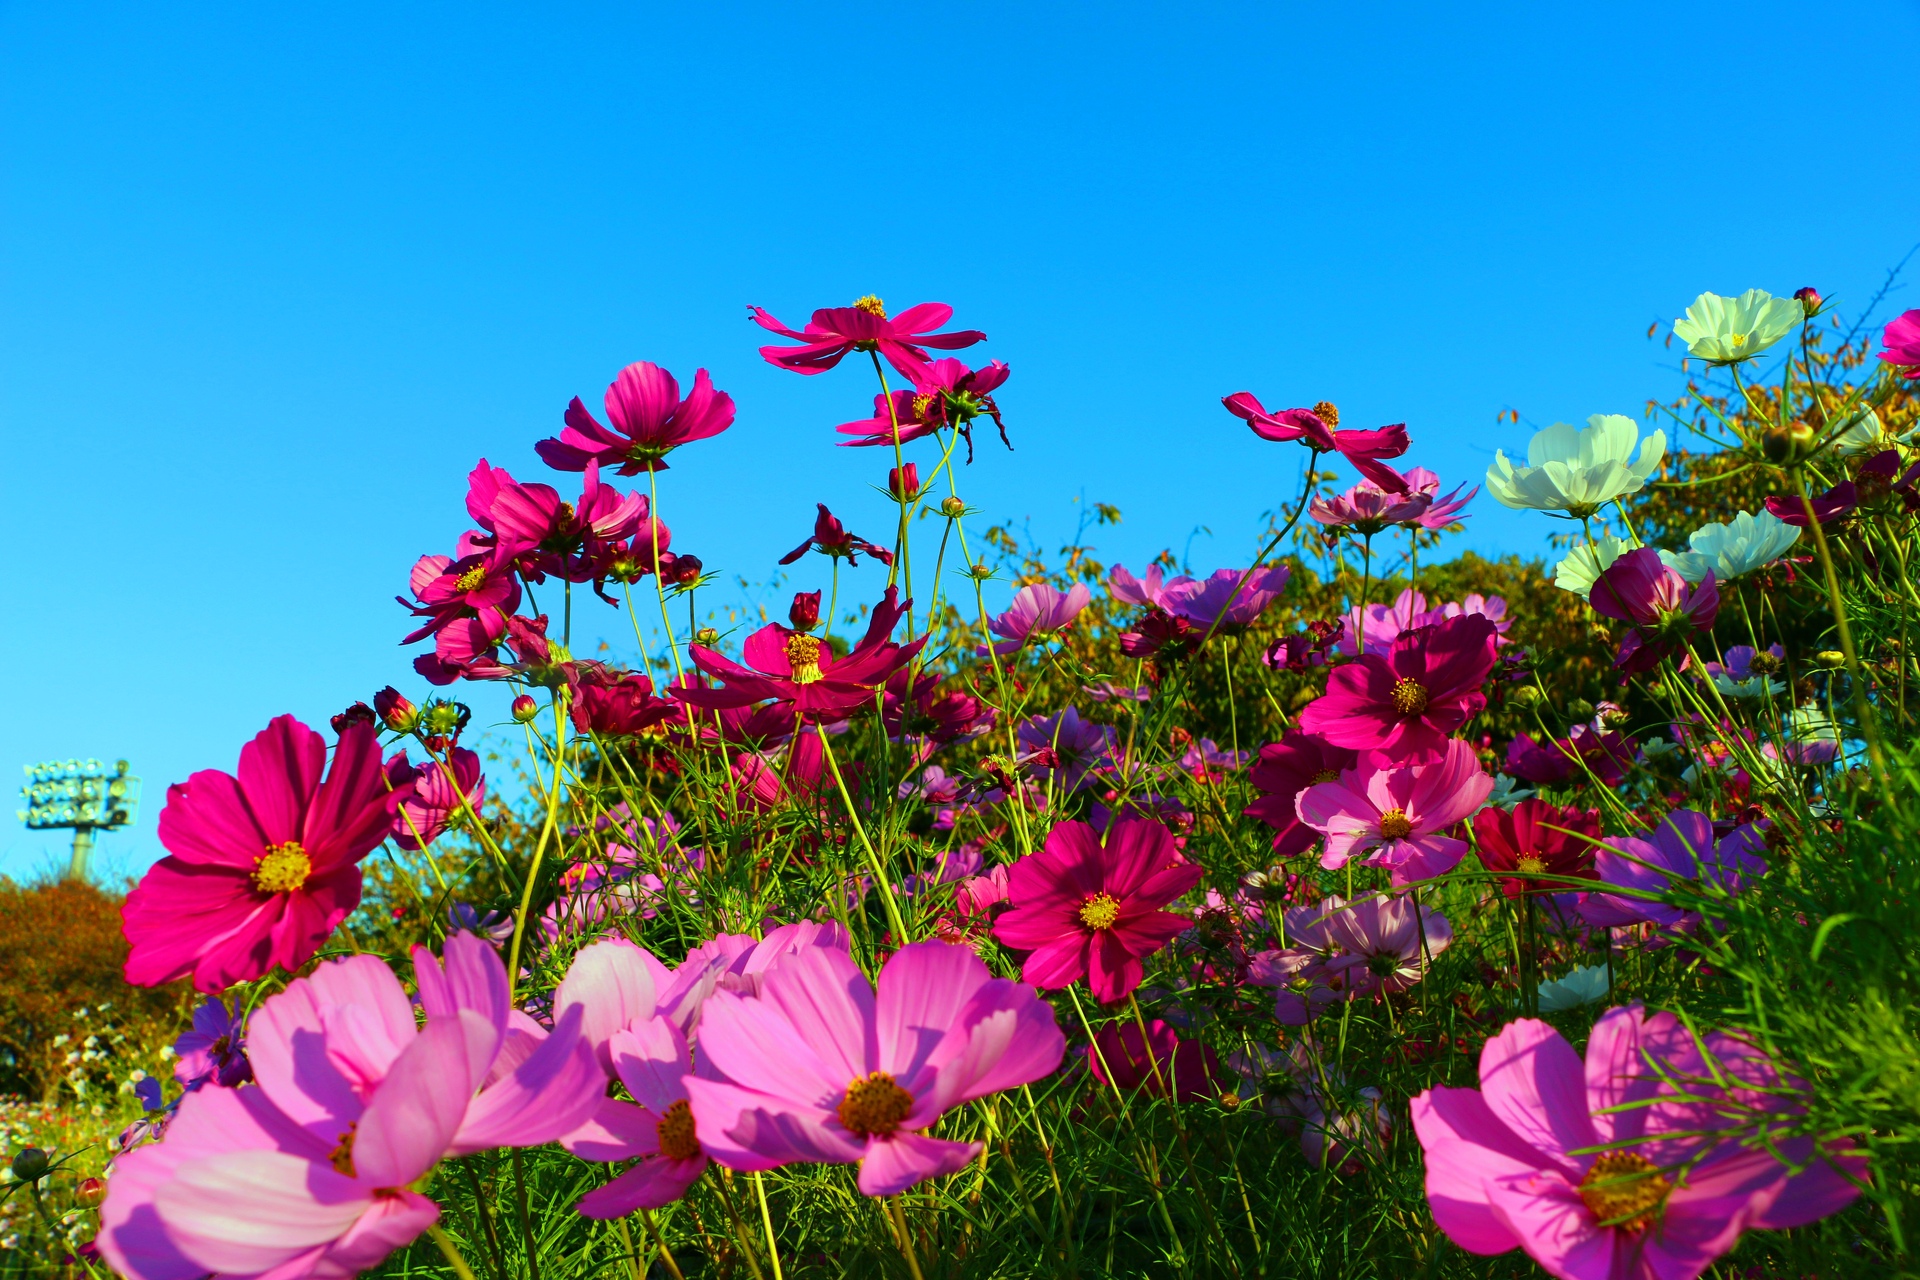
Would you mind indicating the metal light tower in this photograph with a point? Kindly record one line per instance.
(80, 794)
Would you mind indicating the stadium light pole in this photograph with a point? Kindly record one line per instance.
(82, 795)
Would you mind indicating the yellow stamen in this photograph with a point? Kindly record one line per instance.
(1325, 775)
(871, 305)
(1624, 1190)
(803, 655)
(472, 579)
(1395, 825)
(677, 1140)
(1325, 411)
(1099, 911)
(874, 1106)
(283, 868)
(1531, 865)
(1409, 696)
(342, 1157)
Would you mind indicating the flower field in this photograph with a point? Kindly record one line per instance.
(1362, 909)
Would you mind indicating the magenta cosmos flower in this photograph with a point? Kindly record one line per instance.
(945, 394)
(1395, 816)
(1901, 343)
(822, 1067)
(1440, 511)
(574, 541)
(1316, 428)
(649, 419)
(864, 326)
(1599, 1171)
(793, 667)
(261, 867)
(1226, 597)
(1285, 769)
(446, 590)
(1089, 910)
(430, 795)
(310, 1172)
(1836, 503)
(1408, 700)
(1666, 613)
(1039, 612)
(832, 538)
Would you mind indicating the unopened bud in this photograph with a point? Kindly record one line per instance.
(805, 613)
(1580, 709)
(30, 1164)
(1527, 697)
(981, 571)
(953, 508)
(904, 482)
(1327, 413)
(358, 713)
(90, 1192)
(1787, 444)
(706, 636)
(525, 708)
(1830, 659)
(1809, 299)
(1763, 663)
(681, 571)
(393, 708)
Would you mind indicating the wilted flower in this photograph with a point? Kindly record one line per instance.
(1730, 551)
(1577, 470)
(1728, 330)
(831, 538)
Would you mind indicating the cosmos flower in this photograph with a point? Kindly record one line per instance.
(864, 326)
(1440, 512)
(430, 796)
(1728, 330)
(1584, 564)
(1410, 699)
(1666, 614)
(1222, 599)
(1900, 343)
(1730, 551)
(1681, 848)
(1283, 770)
(1577, 471)
(1040, 611)
(1395, 815)
(831, 538)
(945, 393)
(1317, 428)
(1367, 508)
(1144, 590)
(649, 419)
(1533, 840)
(1121, 1056)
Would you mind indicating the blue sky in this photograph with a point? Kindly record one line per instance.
(275, 276)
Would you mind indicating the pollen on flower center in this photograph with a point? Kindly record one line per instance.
(803, 654)
(1099, 911)
(1325, 775)
(871, 305)
(1395, 825)
(1736, 339)
(874, 1106)
(922, 403)
(282, 868)
(1325, 411)
(342, 1157)
(1409, 696)
(1623, 1190)
(675, 1131)
(472, 579)
(1531, 865)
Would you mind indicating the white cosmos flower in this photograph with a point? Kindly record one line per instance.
(1751, 687)
(1577, 469)
(1588, 984)
(1863, 433)
(1582, 567)
(1506, 793)
(1733, 550)
(1728, 330)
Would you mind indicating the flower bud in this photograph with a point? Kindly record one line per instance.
(981, 571)
(681, 571)
(446, 719)
(358, 713)
(1830, 659)
(525, 708)
(1611, 714)
(904, 482)
(1809, 298)
(30, 1164)
(805, 613)
(1763, 663)
(1783, 445)
(706, 636)
(90, 1192)
(1580, 709)
(1526, 697)
(953, 508)
(393, 708)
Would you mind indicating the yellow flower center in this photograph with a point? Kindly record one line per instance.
(1325, 775)
(1623, 1190)
(282, 868)
(342, 1157)
(871, 305)
(922, 403)
(1531, 865)
(1099, 911)
(1409, 696)
(1325, 411)
(472, 579)
(874, 1106)
(803, 654)
(677, 1140)
(1394, 825)
(1736, 339)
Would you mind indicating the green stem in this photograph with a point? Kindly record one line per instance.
(547, 829)
(882, 882)
(450, 1251)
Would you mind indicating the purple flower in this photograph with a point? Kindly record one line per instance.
(1145, 590)
(215, 1050)
(1221, 599)
(1066, 747)
(1681, 848)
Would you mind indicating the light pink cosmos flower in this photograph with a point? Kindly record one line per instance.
(1221, 599)
(824, 1068)
(309, 1173)
(1039, 612)
(649, 421)
(1440, 512)
(1394, 815)
(1367, 509)
(1524, 1161)
(1144, 590)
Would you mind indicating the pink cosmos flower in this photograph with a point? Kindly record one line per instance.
(1664, 610)
(429, 797)
(574, 541)
(310, 1172)
(1039, 612)
(1543, 764)
(1394, 936)
(917, 705)
(619, 705)
(1088, 910)
(1367, 508)
(1226, 598)
(945, 393)
(1900, 341)
(1066, 746)
(1605, 1172)
(471, 587)
(823, 1068)
(1440, 512)
(792, 667)
(261, 867)
(1409, 699)
(1208, 763)
(831, 538)
(1395, 815)
(649, 419)
(1120, 1055)
(1315, 427)
(1681, 848)
(1144, 590)
(1285, 769)
(864, 326)
(1836, 503)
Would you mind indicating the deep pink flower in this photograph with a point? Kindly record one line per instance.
(945, 393)
(1304, 650)
(1039, 612)
(1543, 764)
(649, 419)
(261, 867)
(309, 1173)
(1367, 508)
(792, 667)
(1900, 341)
(1088, 910)
(1665, 611)
(1120, 1055)
(544, 534)
(1285, 769)
(1158, 631)
(1315, 427)
(1408, 700)
(917, 705)
(1600, 1172)
(1396, 814)
(864, 326)
(1536, 839)
(1836, 503)
(831, 538)
(446, 590)
(1607, 755)
(429, 798)
(1225, 598)
(620, 705)
(823, 1068)
(1440, 512)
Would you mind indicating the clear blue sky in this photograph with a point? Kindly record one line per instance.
(276, 275)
